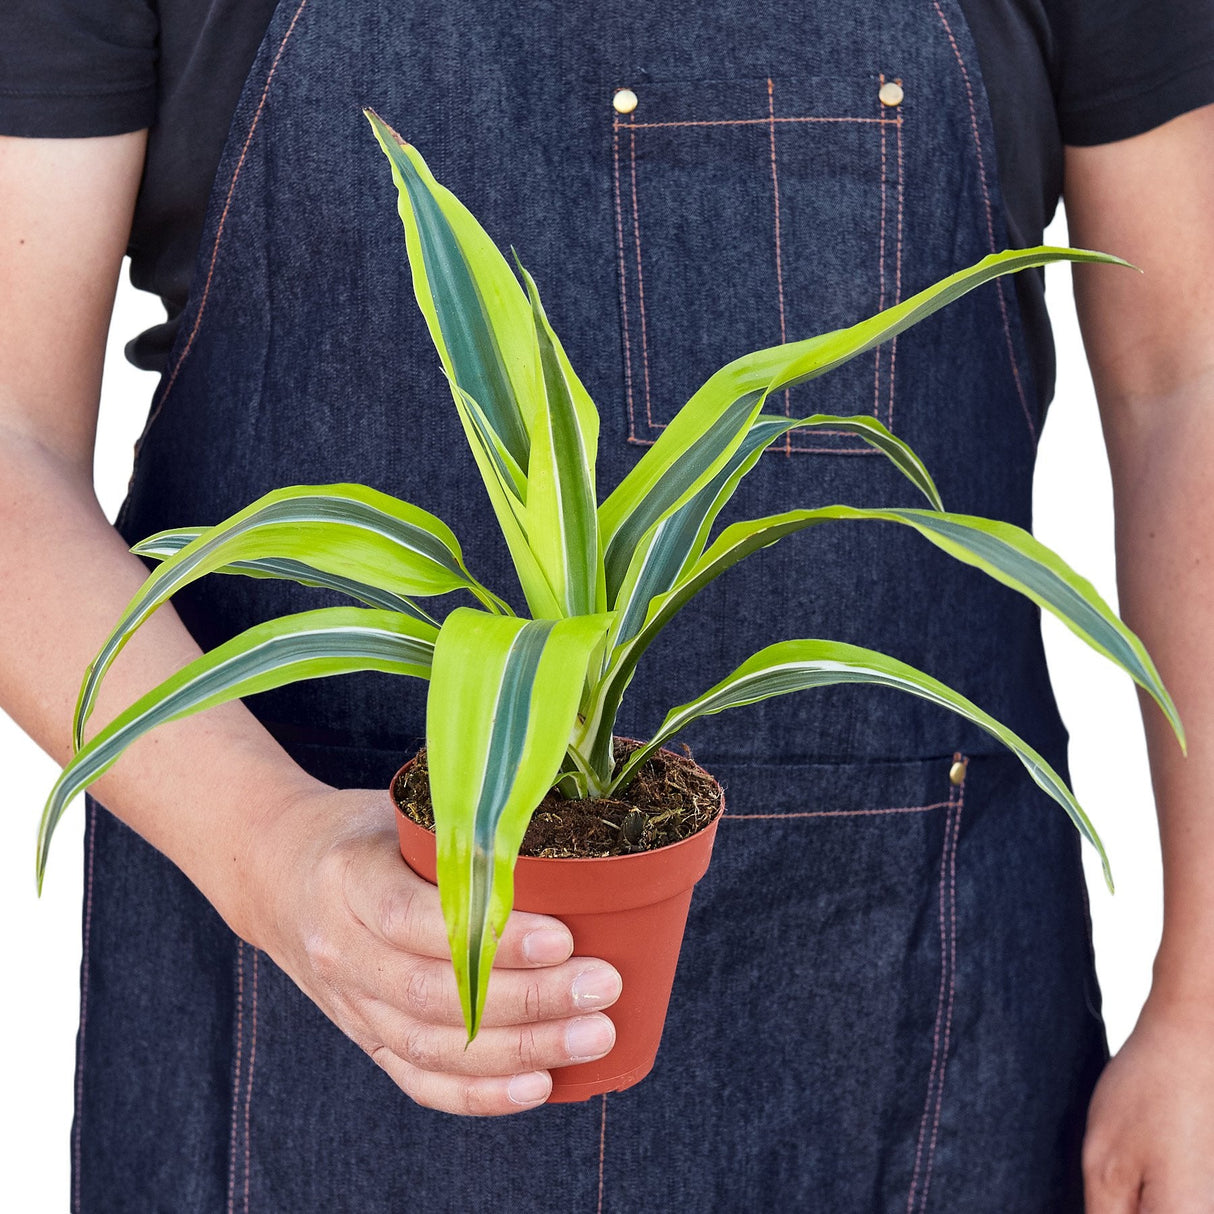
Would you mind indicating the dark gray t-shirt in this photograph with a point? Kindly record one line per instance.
(1056, 71)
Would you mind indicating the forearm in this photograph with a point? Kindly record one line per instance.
(194, 789)
(1161, 452)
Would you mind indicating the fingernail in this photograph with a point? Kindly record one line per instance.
(596, 987)
(530, 1088)
(547, 946)
(589, 1037)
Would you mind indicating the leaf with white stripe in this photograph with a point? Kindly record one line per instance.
(165, 543)
(507, 494)
(503, 701)
(310, 645)
(802, 664)
(711, 425)
(562, 511)
(1003, 551)
(347, 530)
(668, 549)
(478, 315)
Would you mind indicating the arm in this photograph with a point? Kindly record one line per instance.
(310, 874)
(1150, 342)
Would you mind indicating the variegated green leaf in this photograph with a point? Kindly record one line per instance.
(1003, 551)
(507, 495)
(798, 665)
(824, 353)
(670, 547)
(310, 645)
(348, 530)
(503, 700)
(479, 318)
(711, 425)
(165, 543)
(641, 502)
(562, 510)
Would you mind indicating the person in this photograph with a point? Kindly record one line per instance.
(887, 1001)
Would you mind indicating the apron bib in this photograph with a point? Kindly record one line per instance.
(885, 999)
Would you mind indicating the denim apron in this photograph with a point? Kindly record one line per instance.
(886, 998)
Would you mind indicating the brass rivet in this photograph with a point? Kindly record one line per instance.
(625, 101)
(891, 93)
(956, 773)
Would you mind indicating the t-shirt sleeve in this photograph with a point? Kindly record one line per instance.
(1127, 66)
(77, 67)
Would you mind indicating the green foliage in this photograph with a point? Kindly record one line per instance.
(517, 706)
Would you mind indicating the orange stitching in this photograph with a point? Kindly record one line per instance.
(893, 345)
(947, 979)
(619, 242)
(236, 1074)
(77, 1149)
(770, 121)
(775, 191)
(636, 236)
(642, 126)
(881, 272)
(835, 813)
(602, 1150)
(952, 984)
(248, 1092)
(990, 222)
(836, 450)
(223, 218)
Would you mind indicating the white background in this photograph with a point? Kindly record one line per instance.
(42, 938)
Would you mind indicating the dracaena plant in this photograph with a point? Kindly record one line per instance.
(518, 705)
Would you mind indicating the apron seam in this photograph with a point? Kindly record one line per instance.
(248, 1095)
(602, 1150)
(990, 221)
(242, 1081)
(77, 1129)
(219, 231)
(945, 999)
(236, 1077)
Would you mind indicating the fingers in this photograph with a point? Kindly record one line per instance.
(404, 911)
(364, 937)
(487, 1097)
(431, 1065)
(508, 1050)
(425, 989)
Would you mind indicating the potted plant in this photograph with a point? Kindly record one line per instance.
(523, 707)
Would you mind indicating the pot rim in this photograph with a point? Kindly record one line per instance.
(665, 850)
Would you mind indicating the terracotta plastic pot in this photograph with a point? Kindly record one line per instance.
(628, 910)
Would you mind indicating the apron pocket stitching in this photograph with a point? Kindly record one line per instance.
(836, 813)
(634, 358)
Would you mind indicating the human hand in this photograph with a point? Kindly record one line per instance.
(1149, 1145)
(333, 903)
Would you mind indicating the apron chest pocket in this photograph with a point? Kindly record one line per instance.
(750, 212)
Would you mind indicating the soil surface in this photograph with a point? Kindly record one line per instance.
(669, 799)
